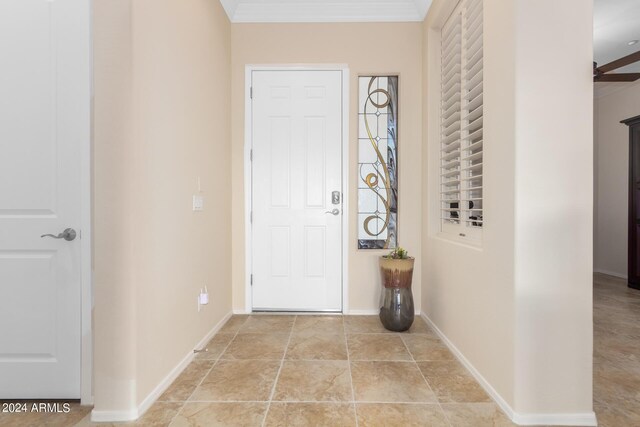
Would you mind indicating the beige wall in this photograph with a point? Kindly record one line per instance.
(554, 207)
(397, 49)
(114, 333)
(162, 120)
(612, 176)
(468, 292)
(519, 308)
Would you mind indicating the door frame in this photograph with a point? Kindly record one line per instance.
(86, 230)
(248, 191)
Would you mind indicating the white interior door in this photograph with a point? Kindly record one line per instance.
(297, 165)
(44, 123)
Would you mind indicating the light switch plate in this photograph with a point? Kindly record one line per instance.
(198, 203)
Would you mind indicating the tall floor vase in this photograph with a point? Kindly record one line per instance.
(396, 302)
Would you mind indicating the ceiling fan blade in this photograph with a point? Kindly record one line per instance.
(619, 63)
(622, 77)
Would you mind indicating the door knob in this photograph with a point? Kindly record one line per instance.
(69, 234)
(335, 211)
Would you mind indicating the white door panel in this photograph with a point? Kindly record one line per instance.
(44, 123)
(297, 164)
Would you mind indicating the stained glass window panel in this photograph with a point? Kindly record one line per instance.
(378, 162)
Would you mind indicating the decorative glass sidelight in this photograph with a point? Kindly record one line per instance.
(378, 162)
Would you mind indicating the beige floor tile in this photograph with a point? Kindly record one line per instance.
(310, 414)
(617, 415)
(313, 381)
(364, 325)
(476, 415)
(619, 325)
(317, 347)
(241, 380)
(427, 347)
(41, 417)
(627, 361)
(186, 383)
(400, 415)
(267, 324)
(257, 346)
(86, 421)
(233, 324)
(616, 371)
(419, 326)
(452, 383)
(389, 382)
(376, 347)
(160, 414)
(221, 415)
(613, 343)
(312, 325)
(215, 347)
(614, 383)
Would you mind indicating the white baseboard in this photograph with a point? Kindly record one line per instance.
(362, 312)
(175, 372)
(113, 416)
(611, 273)
(579, 419)
(118, 416)
(483, 382)
(371, 312)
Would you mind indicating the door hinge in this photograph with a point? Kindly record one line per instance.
(251, 217)
(251, 155)
(250, 92)
(251, 280)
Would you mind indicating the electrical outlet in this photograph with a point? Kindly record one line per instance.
(203, 298)
(198, 203)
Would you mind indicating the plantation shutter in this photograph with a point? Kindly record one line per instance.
(461, 146)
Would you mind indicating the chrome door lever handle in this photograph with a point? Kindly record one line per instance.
(69, 234)
(335, 211)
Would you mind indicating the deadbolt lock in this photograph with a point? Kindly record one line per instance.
(335, 197)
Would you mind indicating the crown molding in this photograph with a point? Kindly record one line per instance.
(289, 11)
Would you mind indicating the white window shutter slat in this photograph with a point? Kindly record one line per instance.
(462, 119)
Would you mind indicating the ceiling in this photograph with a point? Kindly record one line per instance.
(615, 23)
(326, 10)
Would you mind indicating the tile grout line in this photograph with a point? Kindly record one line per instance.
(275, 383)
(353, 393)
(215, 363)
(430, 388)
(335, 402)
(353, 401)
(427, 382)
(336, 360)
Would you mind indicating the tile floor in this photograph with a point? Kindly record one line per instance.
(344, 371)
(616, 348)
(272, 370)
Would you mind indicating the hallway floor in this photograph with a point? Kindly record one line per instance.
(324, 370)
(346, 371)
(616, 348)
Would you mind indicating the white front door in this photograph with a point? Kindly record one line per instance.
(296, 170)
(44, 123)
